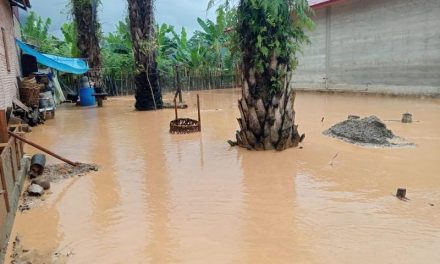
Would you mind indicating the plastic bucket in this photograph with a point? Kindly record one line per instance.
(85, 96)
(38, 162)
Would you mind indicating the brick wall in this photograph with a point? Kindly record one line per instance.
(8, 81)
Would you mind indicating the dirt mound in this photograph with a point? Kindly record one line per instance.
(57, 172)
(366, 131)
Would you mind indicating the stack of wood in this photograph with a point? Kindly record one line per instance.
(30, 91)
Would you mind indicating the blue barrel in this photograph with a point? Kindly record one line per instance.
(85, 96)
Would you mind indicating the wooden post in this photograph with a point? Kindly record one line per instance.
(198, 113)
(401, 193)
(4, 137)
(175, 107)
(179, 89)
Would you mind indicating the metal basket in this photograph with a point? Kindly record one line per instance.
(185, 125)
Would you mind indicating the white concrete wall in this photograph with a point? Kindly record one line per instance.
(384, 46)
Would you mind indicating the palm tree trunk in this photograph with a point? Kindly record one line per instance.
(267, 116)
(266, 122)
(148, 95)
(88, 29)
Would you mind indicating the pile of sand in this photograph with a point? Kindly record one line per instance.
(369, 131)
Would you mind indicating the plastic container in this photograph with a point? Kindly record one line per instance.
(85, 96)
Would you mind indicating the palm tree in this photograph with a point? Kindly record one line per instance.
(88, 31)
(148, 95)
(268, 35)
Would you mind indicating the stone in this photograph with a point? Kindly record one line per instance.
(43, 183)
(35, 190)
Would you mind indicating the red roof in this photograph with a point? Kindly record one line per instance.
(321, 3)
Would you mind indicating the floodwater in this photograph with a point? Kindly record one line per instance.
(162, 198)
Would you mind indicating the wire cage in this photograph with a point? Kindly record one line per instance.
(185, 125)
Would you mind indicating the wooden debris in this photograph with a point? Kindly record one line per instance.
(401, 193)
(406, 118)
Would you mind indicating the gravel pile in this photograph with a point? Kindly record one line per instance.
(39, 187)
(366, 131)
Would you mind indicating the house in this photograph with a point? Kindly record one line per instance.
(379, 46)
(9, 56)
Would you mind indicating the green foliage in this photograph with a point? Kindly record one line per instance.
(69, 33)
(269, 34)
(209, 52)
(35, 31)
(117, 51)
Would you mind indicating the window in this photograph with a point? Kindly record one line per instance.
(5, 44)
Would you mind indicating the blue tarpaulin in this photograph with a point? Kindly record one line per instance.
(64, 64)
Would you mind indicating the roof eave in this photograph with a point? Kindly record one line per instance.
(324, 4)
(23, 4)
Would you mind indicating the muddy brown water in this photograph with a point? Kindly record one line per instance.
(162, 198)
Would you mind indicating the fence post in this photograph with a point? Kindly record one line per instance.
(4, 138)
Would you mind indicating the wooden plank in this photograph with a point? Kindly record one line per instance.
(14, 163)
(3, 212)
(5, 188)
(20, 104)
(4, 137)
(18, 152)
(6, 171)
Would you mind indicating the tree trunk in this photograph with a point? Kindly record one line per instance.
(148, 94)
(267, 122)
(266, 108)
(88, 29)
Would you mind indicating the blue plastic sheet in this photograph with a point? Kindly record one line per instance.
(64, 64)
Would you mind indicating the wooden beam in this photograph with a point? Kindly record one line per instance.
(21, 105)
(4, 137)
(43, 149)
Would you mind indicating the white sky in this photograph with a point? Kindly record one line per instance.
(175, 12)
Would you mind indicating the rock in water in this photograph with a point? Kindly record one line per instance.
(369, 130)
(35, 190)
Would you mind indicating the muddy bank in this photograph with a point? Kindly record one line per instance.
(368, 131)
(23, 255)
(39, 187)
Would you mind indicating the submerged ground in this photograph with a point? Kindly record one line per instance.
(161, 198)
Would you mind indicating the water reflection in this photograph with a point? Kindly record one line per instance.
(162, 198)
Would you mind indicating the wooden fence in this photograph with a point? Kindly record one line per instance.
(12, 174)
(10, 157)
(124, 84)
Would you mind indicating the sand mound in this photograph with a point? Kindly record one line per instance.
(366, 131)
